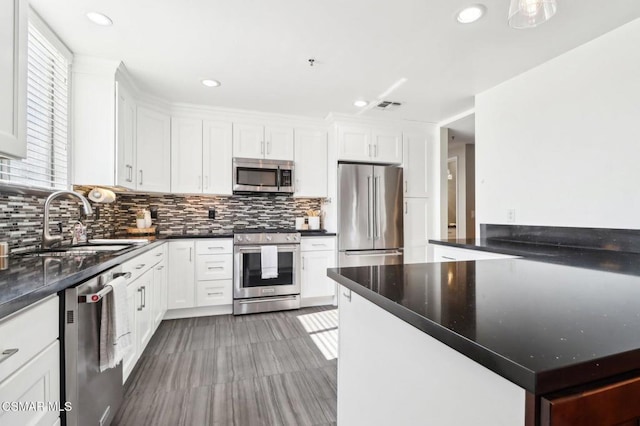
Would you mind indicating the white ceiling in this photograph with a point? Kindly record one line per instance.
(259, 49)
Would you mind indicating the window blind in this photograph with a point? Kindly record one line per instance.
(47, 118)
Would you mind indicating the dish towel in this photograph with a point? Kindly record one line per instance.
(115, 331)
(269, 261)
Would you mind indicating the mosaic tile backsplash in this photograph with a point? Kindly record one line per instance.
(21, 215)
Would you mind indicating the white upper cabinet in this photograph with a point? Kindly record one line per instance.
(278, 143)
(387, 146)
(186, 155)
(126, 138)
(369, 144)
(217, 156)
(310, 163)
(415, 164)
(266, 142)
(200, 156)
(13, 78)
(354, 143)
(153, 151)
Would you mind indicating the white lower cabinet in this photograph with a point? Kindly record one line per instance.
(146, 301)
(415, 230)
(453, 254)
(181, 275)
(200, 273)
(318, 254)
(30, 366)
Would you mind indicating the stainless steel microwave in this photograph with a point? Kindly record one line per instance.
(253, 175)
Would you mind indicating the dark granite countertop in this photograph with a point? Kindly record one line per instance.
(552, 321)
(27, 280)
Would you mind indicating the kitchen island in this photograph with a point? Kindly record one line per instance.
(490, 342)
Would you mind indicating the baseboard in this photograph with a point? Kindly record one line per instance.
(316, 301)
(203, 311)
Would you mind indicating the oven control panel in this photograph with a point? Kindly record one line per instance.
(267, 238)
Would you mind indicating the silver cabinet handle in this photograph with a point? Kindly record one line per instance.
(268, 147)
(141, 306)
(347, 294)
(215, 248)
(159, 254)
(318, 245)
(190, 250)
(303, 263)
(140, 183)
(159, 268)
(261, 147)
(8, 353)
(406, 207)
(140, 266)
(448, 258)
(211, 268)
(217, 293)
(405, 186)
(144, 296)
(375, 150)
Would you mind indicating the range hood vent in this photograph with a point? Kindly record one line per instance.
(388, 105)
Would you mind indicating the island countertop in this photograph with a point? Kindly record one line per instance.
(545, 326)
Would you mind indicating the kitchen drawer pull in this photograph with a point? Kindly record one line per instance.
(140, 266)
(448, 258)
(159, 254)
(216, 248)
(347, 294)
(8, 353)
(319, 245)
(140, 177)
(159, 268)
(144, 296)
(215, 267)
(217, 293)
(190, 250)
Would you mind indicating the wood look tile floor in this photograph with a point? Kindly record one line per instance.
(265, 369)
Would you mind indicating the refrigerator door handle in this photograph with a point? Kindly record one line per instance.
(376, 208)
(374, 253)
(369, 208)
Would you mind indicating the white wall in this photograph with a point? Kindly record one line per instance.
(560, 144)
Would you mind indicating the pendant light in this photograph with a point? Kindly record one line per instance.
(531, 13)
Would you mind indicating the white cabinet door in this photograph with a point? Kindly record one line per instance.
(310, 163)
(186, 155)
(354, 143)
(153, 151)
(159, 306)
(278, 143)
(248, 140)
(144, 320)
(131, 356)
(387, 146)
(13, 78)
(181, 275)
(415, 230)
(125, 138)
(415, 165)
(217, 155)
(36, 381)
(315, 282)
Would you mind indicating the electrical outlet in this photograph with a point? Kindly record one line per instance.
(154, 212)
(511, 215)
(212, 213)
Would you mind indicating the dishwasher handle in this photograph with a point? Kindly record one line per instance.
(96, 297)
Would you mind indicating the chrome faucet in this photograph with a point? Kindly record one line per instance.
(47, 239)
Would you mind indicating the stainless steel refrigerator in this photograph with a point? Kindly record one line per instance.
(370, 228)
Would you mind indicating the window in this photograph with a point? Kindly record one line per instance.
(48, 63)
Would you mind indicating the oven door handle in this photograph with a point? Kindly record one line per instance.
(256, 249)
(262, 299)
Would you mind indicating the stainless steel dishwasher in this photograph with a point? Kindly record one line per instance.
(95, 396)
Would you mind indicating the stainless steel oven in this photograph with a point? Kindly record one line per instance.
(252, 175)
(251, 292)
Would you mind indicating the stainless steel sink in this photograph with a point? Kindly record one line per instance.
(84, 250)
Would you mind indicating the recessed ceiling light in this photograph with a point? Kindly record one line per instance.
(211, 83)
(471, 13)
(360, 103)
(99, 19)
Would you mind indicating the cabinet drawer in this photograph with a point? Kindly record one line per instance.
(318, 243)
(142, 263)
(36, 381)
(217, 292)
(214, 246)
(41, 324)
(214, 267)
